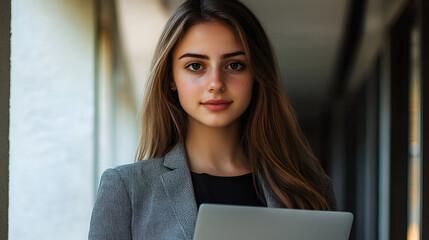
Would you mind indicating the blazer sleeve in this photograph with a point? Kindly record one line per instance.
(111, 216)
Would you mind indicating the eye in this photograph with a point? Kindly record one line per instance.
(194, 67)
(236, 66)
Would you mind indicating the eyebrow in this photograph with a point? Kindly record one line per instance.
(227, 55)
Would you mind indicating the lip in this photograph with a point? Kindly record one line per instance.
(216, 105)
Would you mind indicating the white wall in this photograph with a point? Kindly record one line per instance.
(52, 119)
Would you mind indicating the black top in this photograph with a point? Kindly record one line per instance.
(237, 190)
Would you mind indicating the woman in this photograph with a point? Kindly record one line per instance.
(216, 128)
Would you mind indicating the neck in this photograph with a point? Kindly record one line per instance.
(216, 151)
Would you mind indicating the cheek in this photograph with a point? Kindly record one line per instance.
(244, 89)
(188, 90)
(187, 86)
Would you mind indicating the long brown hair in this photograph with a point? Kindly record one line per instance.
(272, 139)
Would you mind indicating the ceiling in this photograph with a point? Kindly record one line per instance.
(306, 36)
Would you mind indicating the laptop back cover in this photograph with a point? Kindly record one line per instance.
(251, 223)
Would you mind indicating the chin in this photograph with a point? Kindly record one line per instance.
(220, 123)
(216, 121)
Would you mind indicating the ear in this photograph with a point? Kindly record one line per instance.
(173, 86)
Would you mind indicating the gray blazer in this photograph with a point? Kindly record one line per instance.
(154, 199)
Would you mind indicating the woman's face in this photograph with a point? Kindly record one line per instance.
(211, 75)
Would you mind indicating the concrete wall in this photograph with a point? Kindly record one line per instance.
(51, 118)
(4, 115)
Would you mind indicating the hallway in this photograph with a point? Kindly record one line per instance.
(355, 71)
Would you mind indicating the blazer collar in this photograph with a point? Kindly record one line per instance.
(176, 158)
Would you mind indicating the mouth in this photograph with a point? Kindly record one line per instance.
(216, 105)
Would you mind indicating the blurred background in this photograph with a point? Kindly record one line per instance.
(353, 70)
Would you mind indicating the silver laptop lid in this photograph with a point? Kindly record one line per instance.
(252, 223)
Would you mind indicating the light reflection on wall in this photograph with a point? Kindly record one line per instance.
(414, 195)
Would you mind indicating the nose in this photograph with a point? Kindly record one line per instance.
(216, 81)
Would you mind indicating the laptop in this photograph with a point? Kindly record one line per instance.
(226, 222)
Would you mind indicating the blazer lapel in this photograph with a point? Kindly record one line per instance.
(270, 197)
(178, 187)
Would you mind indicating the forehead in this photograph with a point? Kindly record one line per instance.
(213, 37)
